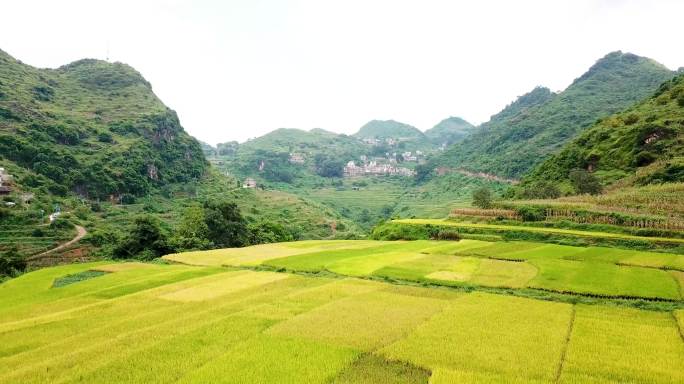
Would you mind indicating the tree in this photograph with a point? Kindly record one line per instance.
(584, 182)
(482, 198)
(268, 232)
(11, 262)
(225, 224)
(192, 231)
(328, 166)
(146, 241)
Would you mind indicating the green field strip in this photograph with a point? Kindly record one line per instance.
(604, 279)
(365, 265)
(622, 345)
(559, 231)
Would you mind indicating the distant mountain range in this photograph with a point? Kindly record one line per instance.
(540, 122)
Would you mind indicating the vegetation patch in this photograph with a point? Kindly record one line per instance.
(76, 277)
(372, 369)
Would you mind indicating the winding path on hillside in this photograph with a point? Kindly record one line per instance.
(80, 232)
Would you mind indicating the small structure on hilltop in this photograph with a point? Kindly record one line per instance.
(249, 183)
(6, 181)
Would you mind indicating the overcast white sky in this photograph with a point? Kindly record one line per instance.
(237, 69)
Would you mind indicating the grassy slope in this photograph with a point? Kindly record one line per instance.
(537, 125)
(250, 326)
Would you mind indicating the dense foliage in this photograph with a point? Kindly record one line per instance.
(540, 122)
(641, 145)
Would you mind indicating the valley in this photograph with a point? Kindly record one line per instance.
(544, 244)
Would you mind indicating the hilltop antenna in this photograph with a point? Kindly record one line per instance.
(107, 56)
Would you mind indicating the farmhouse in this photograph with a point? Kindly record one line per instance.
(5, 182)
(249, 183)
(297, 158)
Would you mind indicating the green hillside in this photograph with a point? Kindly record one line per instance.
(644, 144)
(92, 141)
(388, 129)
(539, 123)
(91, 127)
(449, 131)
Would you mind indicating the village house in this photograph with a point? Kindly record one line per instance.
(409, 156)
(5, 182)
(296, 158)
(373, 168)
(371, 141)
(249, 183)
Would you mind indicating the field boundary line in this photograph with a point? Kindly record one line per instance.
(679, 327)
(543, 230)
(564, 352)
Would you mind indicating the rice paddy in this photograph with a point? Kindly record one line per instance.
(346, 315)
(591, 271)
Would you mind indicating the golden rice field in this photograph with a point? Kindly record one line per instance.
(348, 312)
(155, 323)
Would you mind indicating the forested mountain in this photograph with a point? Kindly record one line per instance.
(92, 127)
(540, 122)
(643, 144)
(286, 154)
(449, 131)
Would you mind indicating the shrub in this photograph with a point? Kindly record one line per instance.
(448, 234)
(146, 241)
(104, 137)
(531, 213)
(11, 262)
(482, 198)
(585, 182)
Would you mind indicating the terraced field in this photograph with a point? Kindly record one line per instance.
(32, 239)
(588, 271)
(154, 323)
(542, 230)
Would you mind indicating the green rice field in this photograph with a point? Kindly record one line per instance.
(350, 312)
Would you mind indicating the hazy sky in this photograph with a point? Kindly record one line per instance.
(237, 69)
